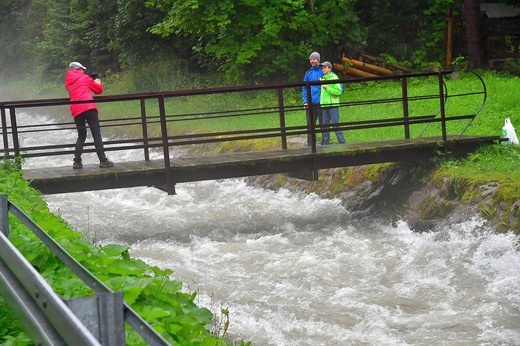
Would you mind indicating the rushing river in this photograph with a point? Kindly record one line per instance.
(294, 269)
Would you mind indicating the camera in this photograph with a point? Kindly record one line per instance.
(94, 76)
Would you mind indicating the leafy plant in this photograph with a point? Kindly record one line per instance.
(148, 289)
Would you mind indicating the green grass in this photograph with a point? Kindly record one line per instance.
(502, 160)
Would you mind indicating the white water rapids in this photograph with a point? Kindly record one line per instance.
(294, 269)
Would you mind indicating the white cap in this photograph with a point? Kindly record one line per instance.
(76, 65)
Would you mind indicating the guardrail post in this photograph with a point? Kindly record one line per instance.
(406, 115)
(103, 316)
(281, 112)
(442, 109)
(144, 127)
(4, 215)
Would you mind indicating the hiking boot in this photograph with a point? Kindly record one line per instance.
(77, 165)
(106, 164)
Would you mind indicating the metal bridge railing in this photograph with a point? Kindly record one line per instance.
(47, 318)
(160, 121)
(154, 118)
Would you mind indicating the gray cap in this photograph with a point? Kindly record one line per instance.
(315, 55)
(326, 63)
(76, 65)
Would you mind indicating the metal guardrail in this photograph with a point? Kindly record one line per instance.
(47, 318)
(153, 117)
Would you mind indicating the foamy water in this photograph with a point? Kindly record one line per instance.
(294, 269)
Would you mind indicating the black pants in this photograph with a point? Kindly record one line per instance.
(90, 117)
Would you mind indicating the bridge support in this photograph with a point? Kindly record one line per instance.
(311, 175)
(168, 188)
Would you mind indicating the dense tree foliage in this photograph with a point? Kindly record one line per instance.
(260, 38)
(247, 40)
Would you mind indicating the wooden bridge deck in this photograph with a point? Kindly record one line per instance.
(299, 162)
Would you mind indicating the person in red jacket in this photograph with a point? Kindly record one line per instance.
(80, 87)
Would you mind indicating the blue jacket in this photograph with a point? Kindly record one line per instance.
(312, 75)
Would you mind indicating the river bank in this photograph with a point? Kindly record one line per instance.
(393, 192)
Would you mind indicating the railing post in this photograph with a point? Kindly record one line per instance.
(311, 125)
(406, 115)
(144, 127)
(4, 132)
(170, 186)
(443, 111)
(14, 130)
(4, 215)
(281, 112)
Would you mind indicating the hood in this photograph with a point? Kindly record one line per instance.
(72, 76)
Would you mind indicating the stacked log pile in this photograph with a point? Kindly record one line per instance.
(365, 66)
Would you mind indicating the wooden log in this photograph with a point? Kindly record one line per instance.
(386, 63)
(381, 71)
(372, 60)
(339, 68)
(369, 58)
(400, 68)
(353, 71)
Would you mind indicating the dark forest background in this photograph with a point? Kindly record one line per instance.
(242, 41)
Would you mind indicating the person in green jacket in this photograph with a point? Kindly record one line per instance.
(329, 102)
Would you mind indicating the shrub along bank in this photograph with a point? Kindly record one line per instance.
(147, 289)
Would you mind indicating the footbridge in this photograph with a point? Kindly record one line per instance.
(214, 133)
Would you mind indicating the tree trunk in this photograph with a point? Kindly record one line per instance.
(449, 37)
(476, 48)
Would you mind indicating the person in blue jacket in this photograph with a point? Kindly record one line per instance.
(312, 75)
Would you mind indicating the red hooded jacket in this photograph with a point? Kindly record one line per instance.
(80, 87)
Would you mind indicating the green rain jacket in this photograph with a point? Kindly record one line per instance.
(330, 96)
